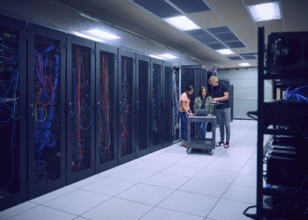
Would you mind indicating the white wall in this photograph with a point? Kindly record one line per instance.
(245, 90)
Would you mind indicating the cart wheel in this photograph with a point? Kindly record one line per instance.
(211, 152)
(188, 150)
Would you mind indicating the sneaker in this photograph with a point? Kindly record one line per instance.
(227, 145)
(221, 143)
(183, 143)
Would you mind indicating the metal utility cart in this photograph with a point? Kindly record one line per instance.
(198, 143)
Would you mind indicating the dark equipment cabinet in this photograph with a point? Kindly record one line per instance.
(12, 112)
(175, 104)
(106, 93)
(126, 106)
(156, 125)
(143, 105)
(80, 108)
(167, 104)
(46, 120)
(196, 76)
(282, 165)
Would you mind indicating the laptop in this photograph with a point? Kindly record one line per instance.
(202, 112)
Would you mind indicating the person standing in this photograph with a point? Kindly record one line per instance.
(203, 101)
(184, 112)
(221, 94)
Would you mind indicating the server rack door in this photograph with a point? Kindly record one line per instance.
(143, 105)
(167, 104)
(46, 121)
(126, 109)
(12, 112)
(106, 83)
(80, 118)
(156, 105)
(175, 104)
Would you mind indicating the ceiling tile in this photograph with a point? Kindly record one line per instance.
(216, 46)
(253, 2)
(79, 5)
(249, 57)
(159, 8)
(237, 15)
(226, 36)
(188, 7)
(248, 34)
(223, 4)
(206, 19)
(206, 38)
(196, 32)
(235, 58)
(235, 44)
(217, 30)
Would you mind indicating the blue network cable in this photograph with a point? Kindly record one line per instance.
(300, 94)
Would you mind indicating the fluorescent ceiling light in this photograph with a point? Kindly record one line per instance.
(265, 12)
(102, 34)
(168, 56)
(225, 51)
(244, 64)
(156, 57)
(182, 23)
(87, 36)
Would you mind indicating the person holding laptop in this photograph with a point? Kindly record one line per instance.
(203, 101)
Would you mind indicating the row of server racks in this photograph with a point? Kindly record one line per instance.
(71, 107)
(282, 165)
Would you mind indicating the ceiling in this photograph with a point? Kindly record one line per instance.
(140, 24)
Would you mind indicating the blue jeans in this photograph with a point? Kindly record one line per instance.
(183, 117)
(202, 129)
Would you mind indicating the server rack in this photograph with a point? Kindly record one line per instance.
(80, 107)
(12, 112)
(46, 120)
(106, 96)
(175, 104)
(167, 104)
(282, 161)
(143, 105)
(156, 105)
(126, 106)
(194, 75)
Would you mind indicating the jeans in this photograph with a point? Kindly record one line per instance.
(223, 118)
(202, 129)
(183, 117)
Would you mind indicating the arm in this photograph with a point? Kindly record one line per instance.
(224, 98)
(186, 110)
(209, 106)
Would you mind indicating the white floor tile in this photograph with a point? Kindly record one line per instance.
(133, 174)
(53, 195)
(118, 209)
(181, 170)
(195, 162)
(189, 203)
(166, 180)
(216, 175)
(241, 194)
(77, 202)
(8, 213)
(205, 187)
(250, 169)
(245, 180)
(41, 212)
(229, 210)
(112, 171)
(86, 181)
(109, 186)
(165, 214)
(151, 195)
(153, 166)
(229, 167)
(81, 218)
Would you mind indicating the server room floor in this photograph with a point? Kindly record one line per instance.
(167, 184)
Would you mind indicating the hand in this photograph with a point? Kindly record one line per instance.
(214, 100)
(190, 114)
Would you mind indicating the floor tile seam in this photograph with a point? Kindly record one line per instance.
(238, 173)
(62, 195)
(81, 215)
(199, 194)
(43, 205)
(22, 211)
